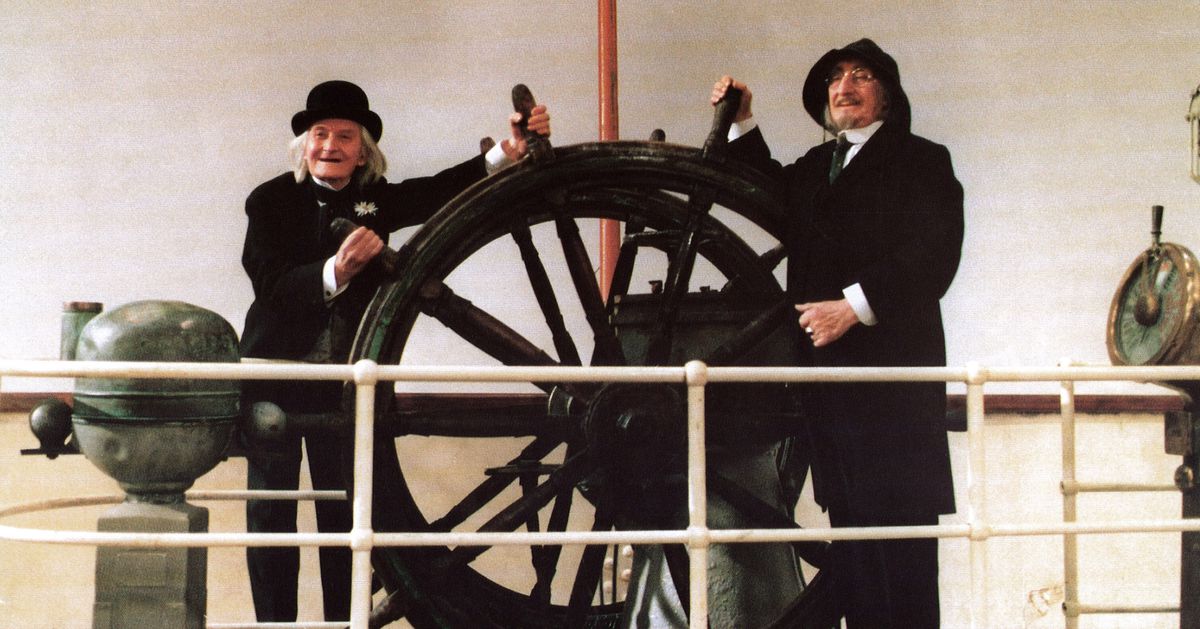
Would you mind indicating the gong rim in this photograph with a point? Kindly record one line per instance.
(1176, 345)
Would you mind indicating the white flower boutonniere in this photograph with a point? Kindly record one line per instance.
(365, 208)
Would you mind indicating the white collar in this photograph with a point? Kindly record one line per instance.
(327, 186)
(861, 135)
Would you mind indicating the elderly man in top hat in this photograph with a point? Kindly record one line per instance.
(310, 291)
(875, 242)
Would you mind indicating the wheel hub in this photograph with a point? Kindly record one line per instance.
(640, 430)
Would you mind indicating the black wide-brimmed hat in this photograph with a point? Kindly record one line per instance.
(338, 99)
(816, 93)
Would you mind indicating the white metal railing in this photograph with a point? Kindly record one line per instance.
(698, 537)
(1071, 487)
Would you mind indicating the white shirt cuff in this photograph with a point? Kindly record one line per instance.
(496, 158)
(858, 302)
(329, 281)
(738, 129)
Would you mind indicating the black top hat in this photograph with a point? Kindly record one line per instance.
(816, 94)
(338, 99)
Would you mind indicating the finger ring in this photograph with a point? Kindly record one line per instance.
(809, 329)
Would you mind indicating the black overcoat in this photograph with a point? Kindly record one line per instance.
(893, 223)
(287, 244)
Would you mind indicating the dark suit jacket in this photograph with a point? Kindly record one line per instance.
(893, 223)
(287, 244)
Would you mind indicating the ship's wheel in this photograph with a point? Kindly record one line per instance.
(583, 456)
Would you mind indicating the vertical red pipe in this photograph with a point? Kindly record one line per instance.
(610, 230)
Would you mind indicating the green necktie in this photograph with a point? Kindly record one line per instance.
(839, 157)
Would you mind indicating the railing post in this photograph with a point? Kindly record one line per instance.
(1070, 491)
(697, 378)
(361, 536)
(976, 493)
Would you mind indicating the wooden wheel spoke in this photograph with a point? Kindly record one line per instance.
(729, 352)
(683, 260)
(677, 564)
(545, 558)
(679, 273)
(514, 515)
(607, 348)
(758, 279)
(543, 291)
(773, 256)
(764, 516)
(479, 328)
(491, 487)
(623, 269)
(392, 608)
(591, 567)
(489, 334)
(515, 419)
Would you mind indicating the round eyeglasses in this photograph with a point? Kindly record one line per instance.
(858, 76)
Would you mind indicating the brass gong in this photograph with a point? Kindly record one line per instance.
(1152, 320)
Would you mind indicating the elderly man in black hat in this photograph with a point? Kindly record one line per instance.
(309, 293)
(875, 242)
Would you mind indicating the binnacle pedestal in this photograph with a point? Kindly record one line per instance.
(155, 437)
(151, 587)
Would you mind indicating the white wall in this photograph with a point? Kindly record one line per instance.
(134, 130)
